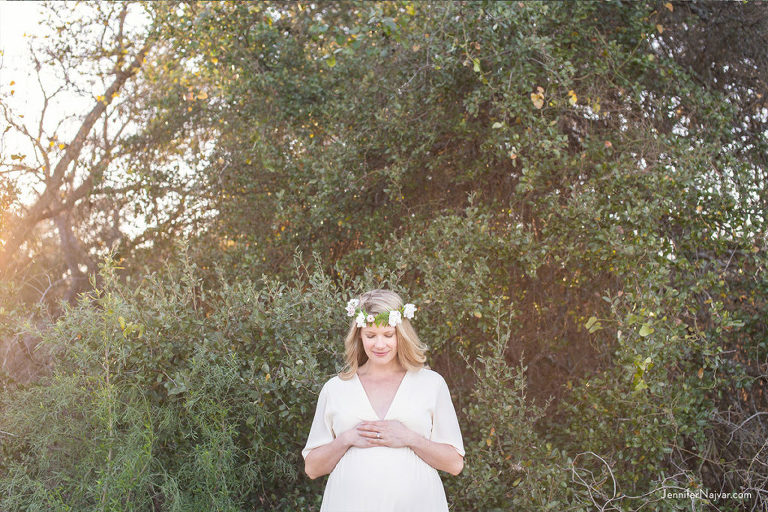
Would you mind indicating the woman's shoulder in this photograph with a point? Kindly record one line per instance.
(430, 376)
(337, 382)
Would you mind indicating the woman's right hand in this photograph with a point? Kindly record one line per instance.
(321, 460)
(353, 437)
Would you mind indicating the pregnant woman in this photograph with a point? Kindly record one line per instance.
(386, 424)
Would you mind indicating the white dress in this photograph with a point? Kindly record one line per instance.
(383, 479)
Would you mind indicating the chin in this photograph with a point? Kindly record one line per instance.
(382, 360)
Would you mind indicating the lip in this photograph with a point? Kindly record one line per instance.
(380, 354)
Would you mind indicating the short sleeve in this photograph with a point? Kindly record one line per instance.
(321, 432)
(445, 425)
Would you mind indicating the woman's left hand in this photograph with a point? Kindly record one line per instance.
(389, 433)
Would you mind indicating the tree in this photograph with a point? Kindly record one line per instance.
(95, 57)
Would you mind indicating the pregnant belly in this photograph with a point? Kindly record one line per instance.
(382, 478)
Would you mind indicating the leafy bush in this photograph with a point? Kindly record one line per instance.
(174, 397)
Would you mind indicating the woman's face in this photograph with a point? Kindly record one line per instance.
(380, 344)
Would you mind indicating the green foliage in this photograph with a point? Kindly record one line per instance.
(508, 464)
(173, 396)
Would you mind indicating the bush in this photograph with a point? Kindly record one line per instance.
(174, 397)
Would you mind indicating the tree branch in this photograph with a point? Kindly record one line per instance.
(38, 211)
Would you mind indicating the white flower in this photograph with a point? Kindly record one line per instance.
(371, 318)
(352, 306)
(394, 318)
(360, 319)
(409, 310)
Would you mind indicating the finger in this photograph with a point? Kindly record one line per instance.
(369, 432)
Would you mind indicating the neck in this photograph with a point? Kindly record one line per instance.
(379, 370)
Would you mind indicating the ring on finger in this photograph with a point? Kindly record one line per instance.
(378, 435)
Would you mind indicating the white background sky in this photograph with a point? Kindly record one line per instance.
(18, 21)
(16, 18)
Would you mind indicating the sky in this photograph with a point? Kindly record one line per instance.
(18, 20)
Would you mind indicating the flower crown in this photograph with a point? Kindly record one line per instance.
(392, 318)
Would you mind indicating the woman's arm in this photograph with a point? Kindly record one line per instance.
(440, 456)
(394, 434)
(321, 460)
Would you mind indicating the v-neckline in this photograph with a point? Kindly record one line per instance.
(394, 397)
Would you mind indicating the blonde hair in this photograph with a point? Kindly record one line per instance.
(410, 349)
